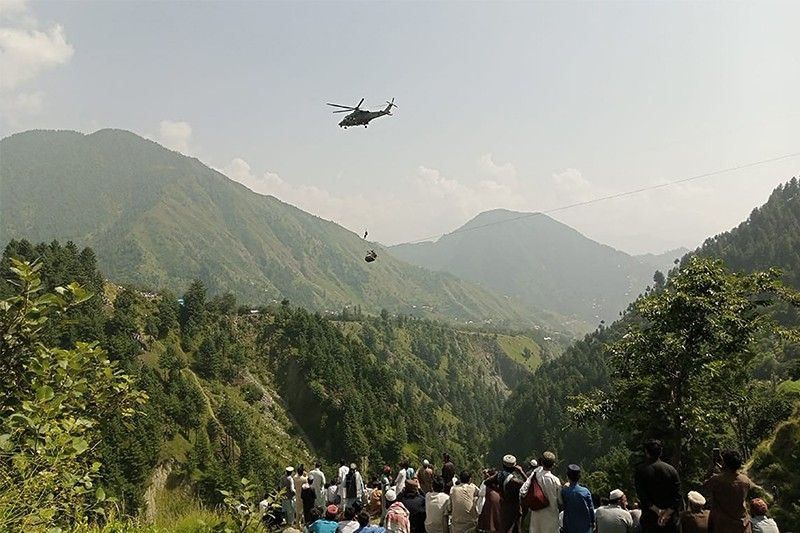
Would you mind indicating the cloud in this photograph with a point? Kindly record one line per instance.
(427, 202)
(505, 171)
(26, 52)
(175, 135)
(571, 186)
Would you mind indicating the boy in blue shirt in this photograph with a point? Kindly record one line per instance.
(578, 506)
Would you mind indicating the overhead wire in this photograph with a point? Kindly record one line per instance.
(610, 196)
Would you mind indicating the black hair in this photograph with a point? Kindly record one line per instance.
(438, 484)
(349, 513)
(653, 448)
(315, 514)
(363, 518)
(573, 475)
(731, 460)
(464, 476)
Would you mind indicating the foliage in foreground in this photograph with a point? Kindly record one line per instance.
(682, 371)
(51, 403)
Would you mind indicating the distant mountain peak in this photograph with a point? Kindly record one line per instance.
(158, 218)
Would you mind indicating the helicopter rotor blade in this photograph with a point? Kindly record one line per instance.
(343, 111)
(359, 104)
(343, 106)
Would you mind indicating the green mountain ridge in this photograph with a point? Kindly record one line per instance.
(543, 262)
(536, 415)
(160, 219)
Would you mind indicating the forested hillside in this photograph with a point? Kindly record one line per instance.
(235, 391)
(159, 219)
(538, 416)
(545, 263)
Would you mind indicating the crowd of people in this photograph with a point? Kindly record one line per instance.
(431, 500)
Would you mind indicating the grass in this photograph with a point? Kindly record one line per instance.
(514, 346)
(790, 387)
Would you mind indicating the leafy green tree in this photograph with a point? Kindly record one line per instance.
(674, 371)
(51, 402)
(209, 359)
(193, 311)
(167, 313)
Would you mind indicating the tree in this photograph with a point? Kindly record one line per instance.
(690, 351)
(51, 403)
(193, 312)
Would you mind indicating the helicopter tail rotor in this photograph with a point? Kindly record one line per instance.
(389, 106)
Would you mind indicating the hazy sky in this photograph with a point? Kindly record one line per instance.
(526, 106)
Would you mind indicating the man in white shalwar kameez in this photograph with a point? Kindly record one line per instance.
(545, 520)
(343, 471)
(319, 484)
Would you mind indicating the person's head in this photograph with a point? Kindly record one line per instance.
(731, 460)
(353, 467)
(391, 496)
(300, 470)
(509, 462)
(438, 484)
(387, 469)
(574, 473)
(617, 497)
(696, 501)
(634, 505)
(349, 513)
(289, 471)
(317, 465)
(330, 512)
(426, 463)
(411, 487)
(446, 457)
(548, 460)
(464, 477)
(653, 448)
(342, 462)
(315, 514)
(363, 519)
(404, 464)
(758, 507)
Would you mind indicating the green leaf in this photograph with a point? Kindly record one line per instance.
(100, 494)
(44, 393)
(79, 445)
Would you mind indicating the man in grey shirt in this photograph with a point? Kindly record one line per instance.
(614, 518)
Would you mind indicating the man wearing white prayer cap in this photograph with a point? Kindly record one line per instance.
(614, 517)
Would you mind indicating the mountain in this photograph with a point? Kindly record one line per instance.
(536, 413)
(160, 219)
(234, 393)
(664, 261)
(543, 262)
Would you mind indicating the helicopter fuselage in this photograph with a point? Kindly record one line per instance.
(360, 118)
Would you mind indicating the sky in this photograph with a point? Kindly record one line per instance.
(524, 106)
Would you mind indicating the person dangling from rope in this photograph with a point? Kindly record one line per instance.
(371, 256)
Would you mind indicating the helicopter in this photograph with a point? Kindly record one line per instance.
(361, 117)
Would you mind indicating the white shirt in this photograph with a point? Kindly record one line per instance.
(400, 481)
(762, 524)
(348, 526)
(343, 471)
(551, 486)
(319, 481)
(435, 509)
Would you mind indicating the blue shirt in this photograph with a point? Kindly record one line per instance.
(370, 529)
(323, 526)
(578, 509)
